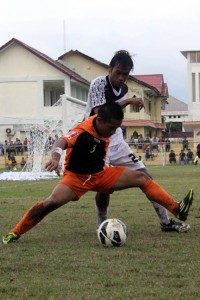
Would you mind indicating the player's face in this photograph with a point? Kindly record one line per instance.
(118, 75)
(106, 129)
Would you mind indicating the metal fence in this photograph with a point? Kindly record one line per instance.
(149, 153)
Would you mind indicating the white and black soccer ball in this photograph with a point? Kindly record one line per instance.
(112, 232)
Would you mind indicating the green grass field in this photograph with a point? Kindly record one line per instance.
(61, 257)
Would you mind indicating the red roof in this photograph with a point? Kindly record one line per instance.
(143, 123)
(155, 80)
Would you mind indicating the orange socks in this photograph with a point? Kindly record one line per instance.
(156, 193)
(33, 216)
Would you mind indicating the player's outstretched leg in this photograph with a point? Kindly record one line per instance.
(156, 193)
(33, 216)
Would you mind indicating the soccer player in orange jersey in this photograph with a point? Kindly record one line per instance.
(85, 170)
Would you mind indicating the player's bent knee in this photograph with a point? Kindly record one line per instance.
(130, 178)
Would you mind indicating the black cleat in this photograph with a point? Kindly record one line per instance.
(184, 206)
(175, 226)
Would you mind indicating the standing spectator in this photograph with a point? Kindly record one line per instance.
(25, 144)
(154, 142)
(189, 156)
(160, 143)
(167, 145)
(185, 143)
(6, 146)
(16, 145)
(182, 157)
(172, 157)
(49, 144)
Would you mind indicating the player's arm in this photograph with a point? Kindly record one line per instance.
(58, 147)
(133, 100)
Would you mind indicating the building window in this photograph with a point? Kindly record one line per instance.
(134, 108)
(150, 107)
(195, 57)
(193, 88)
(79, 92)
(53, 89)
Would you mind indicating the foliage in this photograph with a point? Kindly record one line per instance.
(173, 126)
(61, 258)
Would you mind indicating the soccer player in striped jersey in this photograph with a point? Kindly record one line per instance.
(112, 88)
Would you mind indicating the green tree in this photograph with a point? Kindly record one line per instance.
(173, 127)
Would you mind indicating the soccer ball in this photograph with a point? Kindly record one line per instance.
(112, 232)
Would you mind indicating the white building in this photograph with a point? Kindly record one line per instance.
(175, 110)
(193, 70)
(30, 84)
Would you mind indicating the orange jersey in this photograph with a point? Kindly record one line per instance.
(86, 148)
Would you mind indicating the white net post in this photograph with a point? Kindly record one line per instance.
(73, 112)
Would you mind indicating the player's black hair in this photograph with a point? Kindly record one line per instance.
(110, 111)
(122, 58)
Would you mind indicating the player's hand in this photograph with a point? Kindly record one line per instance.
(138, 101)
(53, 165)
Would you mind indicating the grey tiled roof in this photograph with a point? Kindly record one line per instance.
(175, 105)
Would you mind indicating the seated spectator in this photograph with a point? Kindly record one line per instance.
(172, 157)
(148, 153)
(185, 143)
(189, 156)
(140, 142)
(19, 147)
(23, 162)
(147, 143)
(12, 148)
(131, 141)
(182, 157)
(1, 149)
(9, 163)
(154, 142)
(14, 162)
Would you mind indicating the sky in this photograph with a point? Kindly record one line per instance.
(153, 31)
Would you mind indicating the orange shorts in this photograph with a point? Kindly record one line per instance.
(101, 182)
